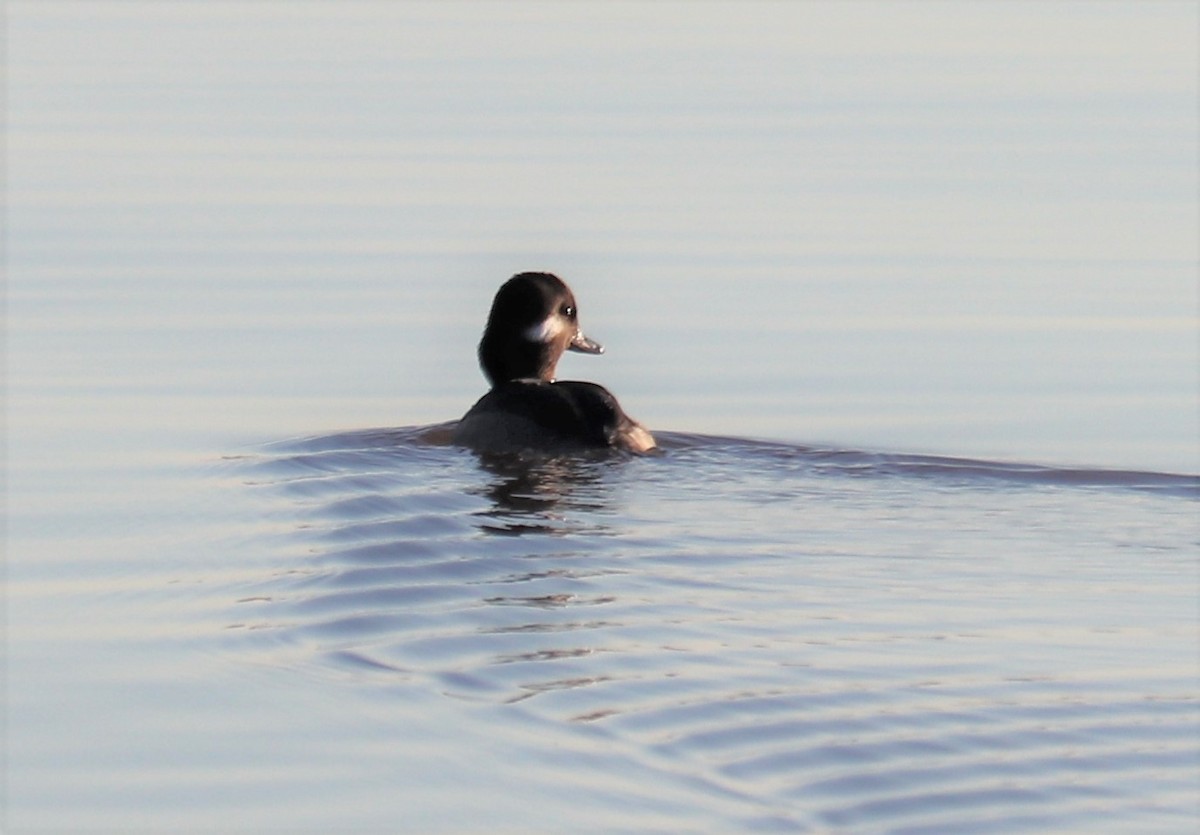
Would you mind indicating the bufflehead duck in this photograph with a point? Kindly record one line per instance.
(533, 320)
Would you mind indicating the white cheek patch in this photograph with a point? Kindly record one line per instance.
(546, 331)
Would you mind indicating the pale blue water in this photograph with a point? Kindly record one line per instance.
(943, 256)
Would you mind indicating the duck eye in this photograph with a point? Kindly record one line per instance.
(568, 310)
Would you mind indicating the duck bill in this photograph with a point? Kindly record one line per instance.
(581, 344)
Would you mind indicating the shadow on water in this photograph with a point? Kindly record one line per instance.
(844, 638)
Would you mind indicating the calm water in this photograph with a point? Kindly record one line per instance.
(944, 255)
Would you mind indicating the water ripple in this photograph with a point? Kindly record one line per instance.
(807, 638)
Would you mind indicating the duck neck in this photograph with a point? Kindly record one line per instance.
(515, 361)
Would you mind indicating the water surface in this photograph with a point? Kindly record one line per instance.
(907, 291)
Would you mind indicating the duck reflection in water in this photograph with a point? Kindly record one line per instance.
(546, 494)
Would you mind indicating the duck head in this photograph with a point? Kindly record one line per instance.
(532, 322)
